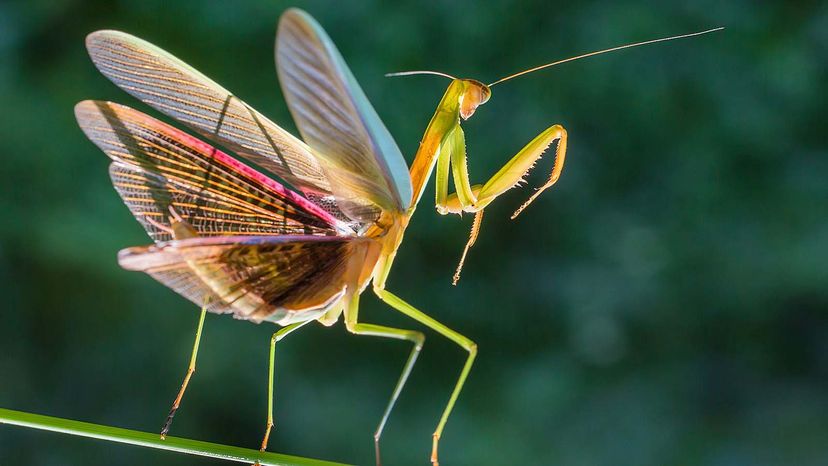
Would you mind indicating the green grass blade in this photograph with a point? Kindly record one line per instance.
(145, 439)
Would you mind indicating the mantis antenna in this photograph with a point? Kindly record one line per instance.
(663, 39)
(410, 73)
(547, 65)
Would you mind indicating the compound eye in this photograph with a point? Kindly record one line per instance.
(486, 94)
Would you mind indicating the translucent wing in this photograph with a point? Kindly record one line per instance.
(149, 197)
(171, 86)
(158, 166)
(359, 156)
(282, 279)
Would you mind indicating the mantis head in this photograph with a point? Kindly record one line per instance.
(474, 95)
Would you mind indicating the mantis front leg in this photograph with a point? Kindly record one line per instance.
(475, 198)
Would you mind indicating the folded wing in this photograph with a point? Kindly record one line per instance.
(358, 155)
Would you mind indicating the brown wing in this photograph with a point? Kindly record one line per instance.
(282, 279)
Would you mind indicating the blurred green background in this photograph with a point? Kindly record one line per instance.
(665, 303)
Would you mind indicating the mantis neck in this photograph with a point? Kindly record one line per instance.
(445, 117)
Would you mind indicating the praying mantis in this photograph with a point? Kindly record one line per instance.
(302, 246)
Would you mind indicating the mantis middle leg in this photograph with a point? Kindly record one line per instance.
(409, 310)
(417, 338)
(190, 371)
(277, 336)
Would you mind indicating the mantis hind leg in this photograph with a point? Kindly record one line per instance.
(417, 338)
(190, 371)
(409, 310)
(281, 333)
